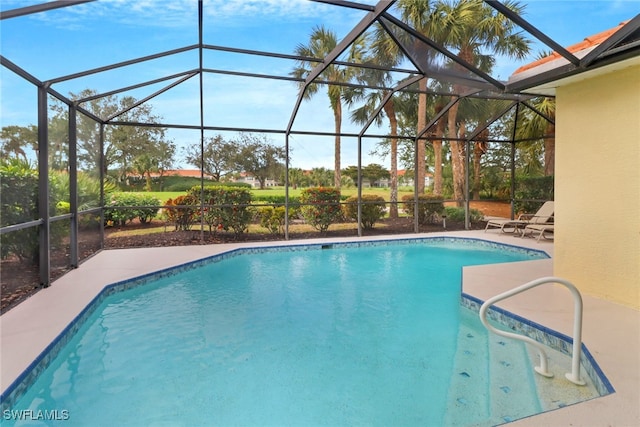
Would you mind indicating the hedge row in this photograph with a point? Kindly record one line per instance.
(136, 206)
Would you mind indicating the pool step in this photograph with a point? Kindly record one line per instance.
(492, 378)
(469, 379)
(511, 384)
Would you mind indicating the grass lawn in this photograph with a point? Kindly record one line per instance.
(163, 196)
(253, 229)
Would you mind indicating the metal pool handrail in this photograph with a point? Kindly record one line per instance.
(574, 375)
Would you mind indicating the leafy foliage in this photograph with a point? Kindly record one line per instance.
(88, 189)
(217, 159)
(430, 207)
(225, 208)
(373, 209)
(272, 218)
(257, 156)
(532, 192)
(19, 195)
(182, 211)
(371, 173)
(321, 207)
(454, 213)
(125, 207)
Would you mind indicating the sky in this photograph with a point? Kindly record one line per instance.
(73, 39)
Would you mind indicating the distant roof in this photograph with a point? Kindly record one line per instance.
(579, 49)
(603, 52)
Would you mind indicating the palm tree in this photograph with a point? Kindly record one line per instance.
(535, 126)
(418, 14)
(480, 147)
(474, 28)
(321, 42)
(296, 177)
(384, 52)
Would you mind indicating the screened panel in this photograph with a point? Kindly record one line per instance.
(60, 249)
(20, 276)
(89, 235)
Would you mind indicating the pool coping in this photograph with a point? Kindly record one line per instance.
(196, 253)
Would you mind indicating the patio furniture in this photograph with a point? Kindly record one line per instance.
(540, 229)
(544, 215)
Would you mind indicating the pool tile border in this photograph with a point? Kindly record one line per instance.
(18, 388)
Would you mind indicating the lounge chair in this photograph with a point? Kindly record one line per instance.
(544, 215)
(541, 229)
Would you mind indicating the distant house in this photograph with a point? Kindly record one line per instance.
(378, 183)
(405, 179)
(185, 173)
(250, 179)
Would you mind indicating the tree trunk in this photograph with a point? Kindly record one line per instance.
(477, 155)
(550, 150)
(390, 111)
(457, 157)
(148, 181)
(337, 178)
(422, 122)
(479, 148)
(458, 161)
(437, 156)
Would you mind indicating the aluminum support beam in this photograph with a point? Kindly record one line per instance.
(387, 97)
(201, 99)
(446, 52)
(538, 112)
(356, 32)
(44, 237)
(513, 161)
(102, 173)
(122, 64)
(518, 20)
(345, 3)
(153, 95)
(19, 71)
(73, 187)
(136, 86)
(42, 7)
(489, 122)
(612, 41)
(350, 38)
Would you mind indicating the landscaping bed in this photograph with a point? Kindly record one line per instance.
(20, 280)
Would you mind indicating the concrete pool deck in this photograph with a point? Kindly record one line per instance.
(611, 332)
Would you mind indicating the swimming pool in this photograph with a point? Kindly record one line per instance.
(334, 334)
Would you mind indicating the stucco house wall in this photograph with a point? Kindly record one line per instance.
(597, 234)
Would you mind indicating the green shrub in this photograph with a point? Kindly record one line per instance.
(321, 207)
(430, 207)
(373, 209)
(125, 207)
(226, 208)
(454, 213)
(19, 203)
(272, 218)
(294, 202)
(530, 189)
(179, 186)
(19, 194)
(175, 183)
(182, 211)
(88, 189)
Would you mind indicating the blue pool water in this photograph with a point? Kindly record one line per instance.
(373, 335)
